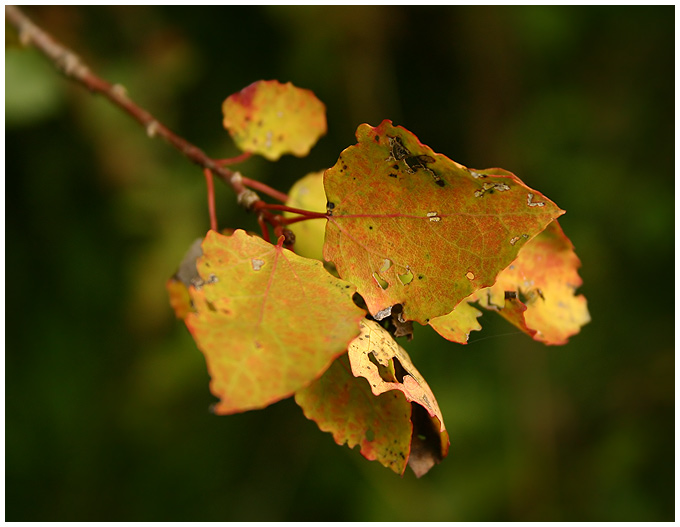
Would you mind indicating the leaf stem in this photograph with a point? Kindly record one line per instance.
(289, 221)
(75, 69)
(263, 227)
(265, 189)
(211, 198)
(306, 213)
(234, 160)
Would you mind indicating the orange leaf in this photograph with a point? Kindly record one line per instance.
(343, 405)
(394, 418)
(409, 226)
(270, 118)
(537, 291)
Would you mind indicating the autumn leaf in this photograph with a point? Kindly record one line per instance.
(537, 291)
(268, 321)
(376, 356)
(271, 119)
(344, 405)
(411, 227)
(308, 194)
(394, 417)
(457, 325)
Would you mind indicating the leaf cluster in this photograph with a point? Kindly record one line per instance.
(393, 234)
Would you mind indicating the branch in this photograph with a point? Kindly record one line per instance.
(73, 68)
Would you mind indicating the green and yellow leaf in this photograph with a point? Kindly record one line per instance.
(308, 194)
(268, 321)
(457, 325)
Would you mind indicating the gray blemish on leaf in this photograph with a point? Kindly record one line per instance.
(187, 272)
(514, 240)
(383, 313)
(257, 264)
(399, 152)
(397, 149)
(532, 203)
(433, 216)
(490, 187)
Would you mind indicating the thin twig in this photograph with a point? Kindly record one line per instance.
(211, 198)
(265, 189)
(74, 68)
(234, 160)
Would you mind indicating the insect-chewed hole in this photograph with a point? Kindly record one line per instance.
(381, 281)
(406, 278)
(387, 263)
(386, 373)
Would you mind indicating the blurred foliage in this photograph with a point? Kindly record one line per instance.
(106, 395)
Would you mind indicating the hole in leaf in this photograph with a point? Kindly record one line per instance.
(381, 281)
(359, 301)
(386, 373)
(399, 370)
(387, 263)
(406, 278)
(426, 446)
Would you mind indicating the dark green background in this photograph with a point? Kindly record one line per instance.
(106, 395)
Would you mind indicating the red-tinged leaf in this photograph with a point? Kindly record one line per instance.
(268, 321)
(271, 119)
(308, 194)
(456, 326)
(394, 418)
(544, 278)
(412, 227)
(376, 356)
(344, 405)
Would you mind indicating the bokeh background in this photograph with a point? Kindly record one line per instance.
(106, 396)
